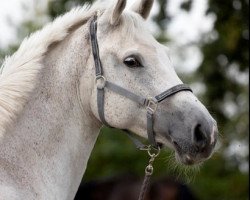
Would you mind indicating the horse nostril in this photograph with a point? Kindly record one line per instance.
(199, 138)
(198, 135)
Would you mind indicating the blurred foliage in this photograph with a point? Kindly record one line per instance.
(59, 7)
(223, 71)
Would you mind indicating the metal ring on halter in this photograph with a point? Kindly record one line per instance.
(149, 170)
(151, 105)
(100, 82)
(153, 152)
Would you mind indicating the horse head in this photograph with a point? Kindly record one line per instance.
(133, 59)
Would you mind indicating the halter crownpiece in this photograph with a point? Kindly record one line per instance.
(150, 104)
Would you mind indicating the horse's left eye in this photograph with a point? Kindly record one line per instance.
(132, 62)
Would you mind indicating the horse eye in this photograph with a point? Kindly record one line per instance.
(132, 62)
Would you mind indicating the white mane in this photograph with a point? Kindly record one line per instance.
(20, 71)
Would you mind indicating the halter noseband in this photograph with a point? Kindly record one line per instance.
(149, 103)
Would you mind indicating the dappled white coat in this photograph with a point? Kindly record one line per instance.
(48, 113)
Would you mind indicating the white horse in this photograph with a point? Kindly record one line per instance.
(49, 119)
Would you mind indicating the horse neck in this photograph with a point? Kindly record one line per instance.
(46, 152)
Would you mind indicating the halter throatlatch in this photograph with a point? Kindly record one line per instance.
(149, 103)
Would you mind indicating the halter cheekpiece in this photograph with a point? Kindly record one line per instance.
(149, 103)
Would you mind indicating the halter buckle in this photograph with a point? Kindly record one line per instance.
(151, 105)
(100, 82)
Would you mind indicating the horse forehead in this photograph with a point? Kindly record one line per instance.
(138, 39)
(133, 34)
(133, 28)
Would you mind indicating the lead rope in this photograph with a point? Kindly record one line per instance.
(148, 170)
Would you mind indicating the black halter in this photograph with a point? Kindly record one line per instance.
(149, 103)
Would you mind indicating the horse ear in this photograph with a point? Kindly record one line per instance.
(117, 11)
(143, 7)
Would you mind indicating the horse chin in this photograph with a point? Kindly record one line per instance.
(187, 159)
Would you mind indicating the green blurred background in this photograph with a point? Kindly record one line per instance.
(220, 80)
